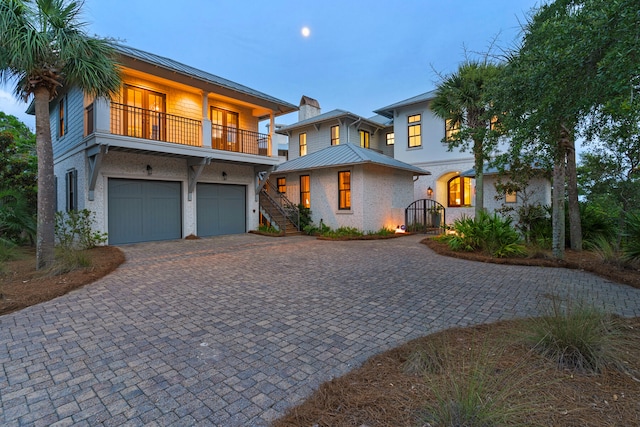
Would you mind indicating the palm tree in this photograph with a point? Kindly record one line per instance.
(43, 47)
(461, 101)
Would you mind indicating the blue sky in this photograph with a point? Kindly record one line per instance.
(360, 55)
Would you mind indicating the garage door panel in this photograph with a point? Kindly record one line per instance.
(221, 209)
(141, 211)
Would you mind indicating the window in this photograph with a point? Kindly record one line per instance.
(460, 191)
(511, 196)
(62, 117)
(365, 138)
(335, 135)
(494, 123)
(282, 185)
(390, 138)
(344, 190)
(71, 189)
(305, 191)
(144, 113)
(302, 140)
(224, 129)
(414, 130)
(451, 129)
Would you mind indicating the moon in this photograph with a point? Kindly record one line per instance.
(305, 31)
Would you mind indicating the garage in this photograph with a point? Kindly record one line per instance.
(221, 209)
(143, 211)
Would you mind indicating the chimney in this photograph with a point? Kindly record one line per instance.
(309, 107)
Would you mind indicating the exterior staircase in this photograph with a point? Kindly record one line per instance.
(279, 211)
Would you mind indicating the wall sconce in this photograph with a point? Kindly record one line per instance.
(224, 176)
(149, 170)
(430, 192)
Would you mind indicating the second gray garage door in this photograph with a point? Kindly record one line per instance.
(221, 209)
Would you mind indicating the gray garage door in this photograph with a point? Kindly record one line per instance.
(221, 209)
(142, 211)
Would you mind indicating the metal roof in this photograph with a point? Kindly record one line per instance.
(342, 155)
(388, 110)
(187, 70)
(331, 115)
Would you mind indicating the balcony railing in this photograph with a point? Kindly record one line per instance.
(231, 138)
(158, 126)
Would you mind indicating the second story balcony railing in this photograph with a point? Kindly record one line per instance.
(142, 123)
(158, 126)
(231, 138)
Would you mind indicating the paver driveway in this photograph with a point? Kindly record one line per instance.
(232, 330)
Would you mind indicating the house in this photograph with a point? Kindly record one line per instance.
(410, 134)
(178, 152)
(418, 135)
(341, 166)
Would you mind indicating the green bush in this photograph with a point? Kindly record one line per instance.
(597, 224)
(492, 234)
(343, 232)
(305, 216)
(69, 260)
(270, 229)
(17, 224)
(73, 230)
(631, 245)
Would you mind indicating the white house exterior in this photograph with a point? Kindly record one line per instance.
(177, 153)
(418, 140)
(346, 185)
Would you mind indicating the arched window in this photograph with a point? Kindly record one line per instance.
(460, 190)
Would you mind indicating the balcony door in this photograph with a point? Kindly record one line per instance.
(144, 113)
(224, 129)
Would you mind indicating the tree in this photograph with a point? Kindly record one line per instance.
(43, 47)
(461, 100)
(18, 161)
(577, 60)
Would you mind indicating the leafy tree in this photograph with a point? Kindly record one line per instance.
(18, 162)
(577, 62)
(43, 47)
(461, 100)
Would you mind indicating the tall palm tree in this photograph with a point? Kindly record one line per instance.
(43, 47)
(461, 100)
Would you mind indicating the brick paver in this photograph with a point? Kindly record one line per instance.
(233, 330)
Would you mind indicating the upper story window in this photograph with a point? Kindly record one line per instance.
(365, 139)
(460, 190)
(144, 113)
(511, 196)
(62, 117)
(305, 191)
(224, 129)
(71, 190)
(494, 123)
(335, 135)
(302, 142)
(415, 130)
(390, 138)
(451, 129)
(282, 185)
(344, 190)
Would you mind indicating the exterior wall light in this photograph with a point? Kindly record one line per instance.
(430, 192)
(149, 170)
(224, 176)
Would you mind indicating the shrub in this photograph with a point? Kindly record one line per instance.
(577, 336)
(343, 232)
(631, 246)
(492, 234)
(16, 221)
(305, 216)
(69, 260)
(74, 231)
(270, 229)
(597, 224)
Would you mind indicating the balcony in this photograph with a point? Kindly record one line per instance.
(125, 120)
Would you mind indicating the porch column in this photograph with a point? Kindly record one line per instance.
(206, 122)
(272, 124)
(102, 112)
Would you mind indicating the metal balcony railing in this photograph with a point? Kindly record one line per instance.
(155, 125)
(231, 138)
